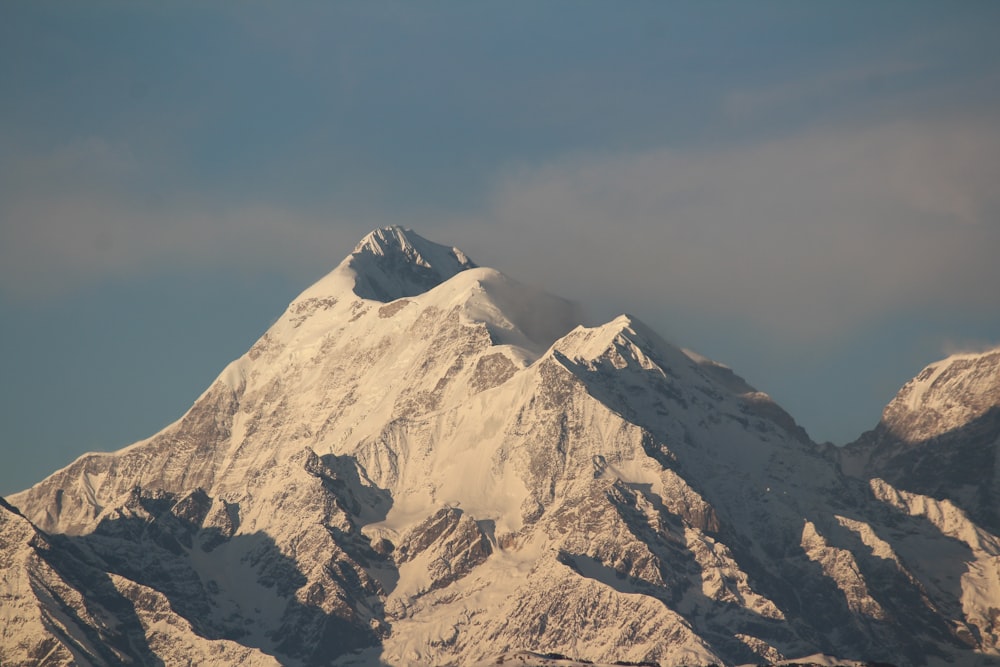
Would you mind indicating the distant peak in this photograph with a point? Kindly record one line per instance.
(945, 395)
(400, 241)
(391, 263)
(394, 262)
(386, 240)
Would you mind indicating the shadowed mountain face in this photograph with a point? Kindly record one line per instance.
(425, 462)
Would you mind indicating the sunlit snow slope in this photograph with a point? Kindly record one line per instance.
(425, 462)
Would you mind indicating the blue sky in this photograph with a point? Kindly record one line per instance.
(804, 191)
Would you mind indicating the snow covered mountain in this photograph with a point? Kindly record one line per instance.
(940, 437)
(425, 462)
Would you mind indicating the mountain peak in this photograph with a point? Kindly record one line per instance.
(394, 262)
(946, 395)
(396, 240)
(391, 263)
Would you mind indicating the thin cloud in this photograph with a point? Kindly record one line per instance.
(816, 89)
(70, 218)
(57, 246)
(805, 237)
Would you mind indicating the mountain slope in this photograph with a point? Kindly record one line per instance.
(62, 608)
(940, 436)
(425, 462)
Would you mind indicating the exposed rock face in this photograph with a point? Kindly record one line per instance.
(424, 462)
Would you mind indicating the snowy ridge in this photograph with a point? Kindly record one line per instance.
(426, 462)
(945, 395)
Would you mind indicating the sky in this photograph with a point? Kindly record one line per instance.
(804, 191)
